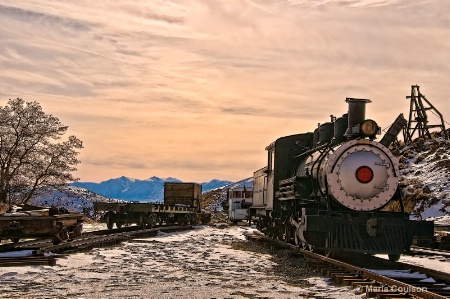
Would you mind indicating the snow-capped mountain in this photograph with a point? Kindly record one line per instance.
(151, 190)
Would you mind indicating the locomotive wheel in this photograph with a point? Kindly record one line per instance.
(15, 240)
(328, 251)
(119, 224)
(284, 234)
(297, 240)
(279, 233)
(394, 257)
(289, 233)
(301, 244)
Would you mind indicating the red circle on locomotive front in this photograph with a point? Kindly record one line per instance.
(364, 174)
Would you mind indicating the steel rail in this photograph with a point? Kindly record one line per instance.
(370, 275)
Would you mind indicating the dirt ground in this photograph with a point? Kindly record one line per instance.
(207, 262)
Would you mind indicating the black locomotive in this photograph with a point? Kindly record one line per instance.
(327, 190)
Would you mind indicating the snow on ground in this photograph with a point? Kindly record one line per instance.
(435, 262)
(207, 262)
(441, 220)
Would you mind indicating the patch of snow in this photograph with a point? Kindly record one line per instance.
(20, 253)
(424, 261)
(440, 220)
(400, 274)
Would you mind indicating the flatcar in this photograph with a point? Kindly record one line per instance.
(327, 190)
(182, 205)
(37, 222)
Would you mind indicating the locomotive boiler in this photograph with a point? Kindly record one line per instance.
(327, 190)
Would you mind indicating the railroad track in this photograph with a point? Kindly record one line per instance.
(44, 252)
(416, 250)
(387, 280)
(35, 244)
(27, 260)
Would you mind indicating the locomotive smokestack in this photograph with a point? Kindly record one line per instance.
(356, 114)
(356, 111)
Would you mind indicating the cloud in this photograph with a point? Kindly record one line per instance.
(64, 25)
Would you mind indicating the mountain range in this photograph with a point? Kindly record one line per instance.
(149, 190)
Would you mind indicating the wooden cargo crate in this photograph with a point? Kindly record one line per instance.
(188, 194)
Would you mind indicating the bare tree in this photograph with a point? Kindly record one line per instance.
(30, 155)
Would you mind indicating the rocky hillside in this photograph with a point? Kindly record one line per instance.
(425, 170)
(70, 198)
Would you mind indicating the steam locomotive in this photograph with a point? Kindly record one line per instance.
(328, 190)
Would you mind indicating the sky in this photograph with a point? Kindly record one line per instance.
(197, 89)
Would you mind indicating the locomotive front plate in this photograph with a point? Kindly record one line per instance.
(362, 175)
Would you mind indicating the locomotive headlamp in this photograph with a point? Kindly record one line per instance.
(369, 128)
(364, 174)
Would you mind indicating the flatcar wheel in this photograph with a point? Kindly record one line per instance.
(151, 220)
(142, 221)
(394, 257)
(109, 220)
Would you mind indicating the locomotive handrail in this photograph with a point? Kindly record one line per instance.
(319, 161)
(312, 150)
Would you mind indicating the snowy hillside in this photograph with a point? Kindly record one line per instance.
(425, 169)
